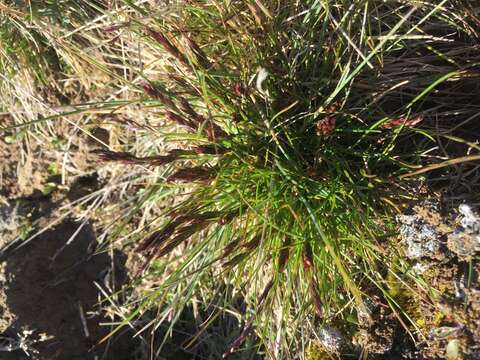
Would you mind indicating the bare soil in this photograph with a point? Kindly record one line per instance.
(57, 297)
(50, 289)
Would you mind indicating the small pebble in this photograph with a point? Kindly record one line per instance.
(453, 350)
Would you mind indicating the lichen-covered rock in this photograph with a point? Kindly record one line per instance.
(464, 242)
(331, 339)
(330, 343)
(8, 223)
(469, 219)
(7, 217)
(420, 238)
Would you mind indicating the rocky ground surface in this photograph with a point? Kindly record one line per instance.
(439, 244)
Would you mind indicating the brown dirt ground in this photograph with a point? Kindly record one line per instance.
(42, 290)
(50, 296)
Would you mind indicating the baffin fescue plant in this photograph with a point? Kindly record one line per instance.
(297, 120)
(296, 131)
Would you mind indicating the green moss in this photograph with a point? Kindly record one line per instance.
(316, 352)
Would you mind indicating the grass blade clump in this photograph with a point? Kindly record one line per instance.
(305, 114)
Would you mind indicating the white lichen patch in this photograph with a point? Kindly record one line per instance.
(464, 242)
(8, 217)
(470, 221)
(420, 268)
(421, 239)
(9, 222)
(331, 339)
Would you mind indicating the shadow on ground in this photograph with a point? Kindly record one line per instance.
(51, 294)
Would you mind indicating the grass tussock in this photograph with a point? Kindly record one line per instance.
(294, 133)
